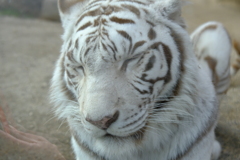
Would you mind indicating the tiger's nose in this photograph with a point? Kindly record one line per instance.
(105, 122)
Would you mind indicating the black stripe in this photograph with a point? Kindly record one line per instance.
(152, 24)
(85, 26)
(121, 20)
(64, 89)
(86, 52)
(104, 47)
(93, 3)
(110, 9)
(69, 82)
(76, 44)
(70, 56)
(141, 92)
(96, 22)
(138, 44)
(168, 56)
(180, 46)
(152, 81)
(129, 124)
(125, 64)
(92, 13)
(146, 11)
(150, 63)
(88, 39)
(114, 45)
(70, 75)
(114, 53)
(132, 9)
(126, 36)
(134, 1)
(152, 34)
(70, 44)
(138, 82)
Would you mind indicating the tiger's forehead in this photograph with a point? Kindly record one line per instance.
(112, 32)
(97, 7)
(107, 8)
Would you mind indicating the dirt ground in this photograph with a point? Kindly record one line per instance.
(30, 47)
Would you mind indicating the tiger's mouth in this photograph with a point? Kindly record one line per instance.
(136, 135)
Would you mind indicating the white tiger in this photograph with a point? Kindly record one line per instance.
(129, 84)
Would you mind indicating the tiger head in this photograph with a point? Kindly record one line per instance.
(121, 61)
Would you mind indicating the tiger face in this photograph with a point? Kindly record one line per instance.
(118, 67)
(129, 84)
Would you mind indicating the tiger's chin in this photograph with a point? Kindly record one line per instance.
(107, 135)
(136, 135)
(115, 135)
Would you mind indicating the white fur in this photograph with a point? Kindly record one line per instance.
(211, 39)
(105, 89)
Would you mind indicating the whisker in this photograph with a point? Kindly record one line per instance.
(157, 131)
(181, 112)
(63, 121)
(49, 120)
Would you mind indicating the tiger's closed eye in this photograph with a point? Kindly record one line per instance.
(79, 69)
(126, 62)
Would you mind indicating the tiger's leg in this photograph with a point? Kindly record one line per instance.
(213, 46)
(206, 148)
(81, 152)
(216, 150)
(78, 152)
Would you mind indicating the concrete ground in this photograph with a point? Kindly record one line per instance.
(30, 47)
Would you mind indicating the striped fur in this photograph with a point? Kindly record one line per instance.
(128, 83)
(213, 47)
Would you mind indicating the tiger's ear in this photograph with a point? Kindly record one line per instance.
(67, 7)
(170, 9)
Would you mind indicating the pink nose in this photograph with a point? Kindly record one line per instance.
(105, 122)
